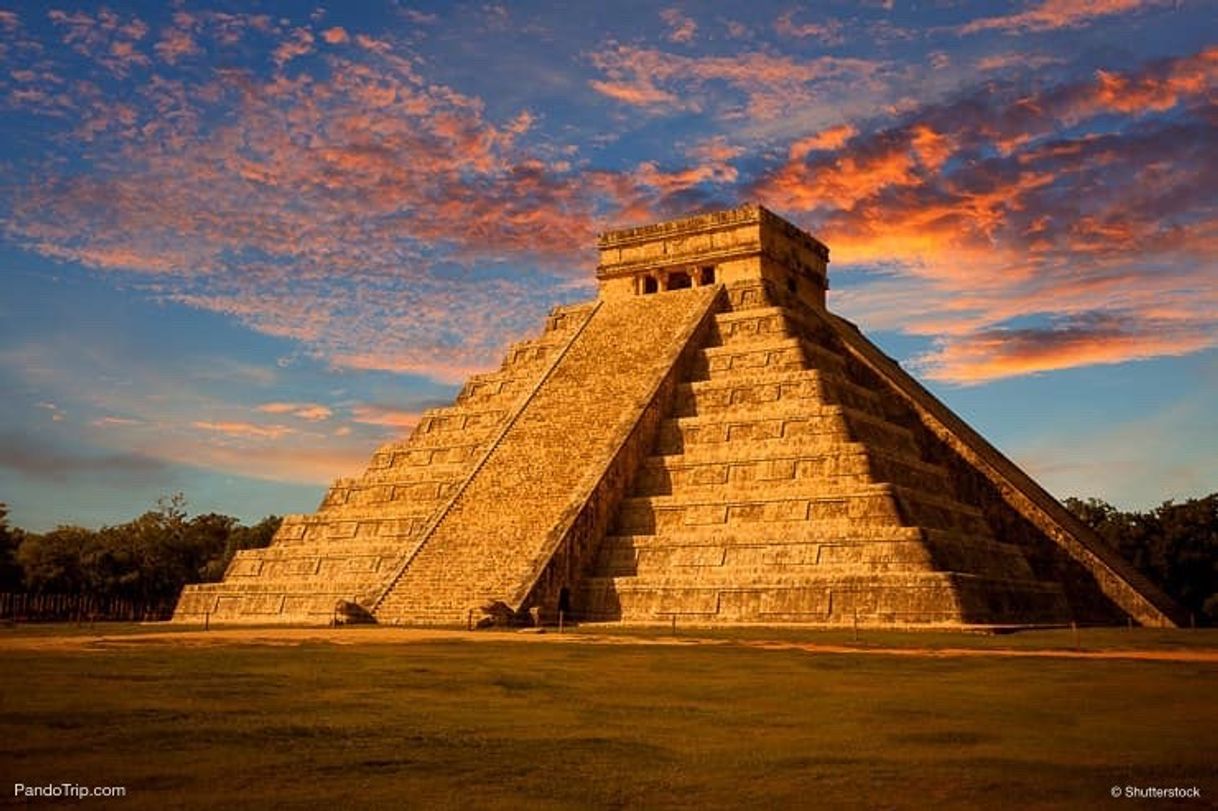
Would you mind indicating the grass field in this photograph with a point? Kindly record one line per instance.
(505, 722)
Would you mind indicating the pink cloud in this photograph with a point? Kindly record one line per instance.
(828, 32)
(299, 44)
(639, 93)
(1049, 15)
(984, 356)
(310, 412)
(175, 44)
(105, 37)
(681, 28)
(110, 421)
(243, 429)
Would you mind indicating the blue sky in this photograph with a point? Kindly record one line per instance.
(244, 244)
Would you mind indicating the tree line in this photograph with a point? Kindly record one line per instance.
(143, 562)
(1175, 545)
(148, 560)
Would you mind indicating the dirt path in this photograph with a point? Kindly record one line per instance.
(405, 636)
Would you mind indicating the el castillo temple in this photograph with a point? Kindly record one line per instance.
(703, 443)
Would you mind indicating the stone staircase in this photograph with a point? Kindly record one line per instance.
(779, 491)
(492, 543)
(366, 526)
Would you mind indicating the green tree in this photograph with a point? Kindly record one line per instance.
(242, 537)
(10, 539)
(1175, 545)
(60, 561)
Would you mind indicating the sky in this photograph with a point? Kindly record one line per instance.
(244, 244)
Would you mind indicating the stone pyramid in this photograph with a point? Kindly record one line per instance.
(702, 443)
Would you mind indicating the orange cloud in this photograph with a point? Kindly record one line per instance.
(1050, 15)
(640, 93)
(243, 429)
(1005, 353)
(335, 36)
(311, 412)
(830, 139)
(982, 215)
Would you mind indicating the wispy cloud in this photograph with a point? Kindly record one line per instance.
(1049, 15)
(827, 31)
(244, 429)
(766, 83)
(681, 27)
(311, 412)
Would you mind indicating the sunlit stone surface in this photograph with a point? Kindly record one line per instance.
(702, 443)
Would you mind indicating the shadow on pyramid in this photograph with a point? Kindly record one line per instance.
(704, 443)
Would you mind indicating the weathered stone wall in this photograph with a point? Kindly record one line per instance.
(742, 245)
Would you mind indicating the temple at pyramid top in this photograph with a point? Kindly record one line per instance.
(703, 443)
(744, 244)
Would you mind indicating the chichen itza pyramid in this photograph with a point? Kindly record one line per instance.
(704, 442)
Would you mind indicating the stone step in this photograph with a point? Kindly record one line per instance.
(759, 449)
(460, 417)
(411, 475)
(450, 438)
(841, 531)
(765, 388)
(794, 502)
(841, 468)
(782, 422)
(928, 596)
(761, 323)
(623, 556)
(407, 454)
(350, 528)
(939, 511)
(751, 295)
(384, 548)
(659, 514)
(566, 318)
(416, 497)
(898, 598)
(533, 351)
(500, 387)
(777, 354)
(216, 603)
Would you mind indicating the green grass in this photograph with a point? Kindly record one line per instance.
(504, 724)
(1088, 639)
